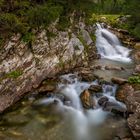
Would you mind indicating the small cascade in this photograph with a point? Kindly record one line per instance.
(81, 119)
(109, 46)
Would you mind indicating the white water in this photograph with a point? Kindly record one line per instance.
(81, 119)
(109, 46)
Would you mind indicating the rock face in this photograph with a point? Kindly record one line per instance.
(130, 94)
(24, 66)
(87, 100)
(133, 103)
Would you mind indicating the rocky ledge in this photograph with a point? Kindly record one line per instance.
(23, 66)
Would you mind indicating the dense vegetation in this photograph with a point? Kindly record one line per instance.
(23, 15)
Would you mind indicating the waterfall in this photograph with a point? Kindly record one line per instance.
(81, 119)
(109, 46)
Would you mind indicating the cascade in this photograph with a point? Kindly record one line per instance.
(109, 46)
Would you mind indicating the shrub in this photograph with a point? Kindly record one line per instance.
(134, 79)
(43, 15)
(28, 37)
(136, 30)
(9, 22)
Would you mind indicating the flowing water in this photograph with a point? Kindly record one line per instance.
(55, 119)
(62, 117)
(109, 46)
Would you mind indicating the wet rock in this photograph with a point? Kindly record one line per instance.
(87, 100)
(137, 69)
(130, 94)
(87, 75)
(114, 68)
(119, 81)
(98, 67)
(95, 88)
(104, 82)
(111, 106)
(124, 32)
(123, 92)
(46, 88)
(103, 100)
(137, 45)
(133, 103)
(134, 124)
(121, 95)
(137, 57)
(115, 107)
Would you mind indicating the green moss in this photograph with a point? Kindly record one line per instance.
(14, 74)
(63, 23)
(134, 79)
(109, 19)
(93, 37)
(28, 37)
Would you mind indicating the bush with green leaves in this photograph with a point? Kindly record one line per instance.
(134, 79)
(43, 15)
(10, 22)
(28, 37)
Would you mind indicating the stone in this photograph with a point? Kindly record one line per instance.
(86, 37)
(114, 68)
(115, 107)
(87, 75)
(95, 88)
(134, 124)
(119, 81)
(121, 95)
(103, 100)
(123, 92)
(87, 100)
(137, 45)
(137, 69)
(46, 88)
(137, 57)
(133, 104)
(130, 95)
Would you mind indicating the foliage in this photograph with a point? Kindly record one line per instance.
(22, 16)
(134, 79)
(14, 74)
(109, 19)
(64, 23)
(28, 37)
(136, 30)
(10, 22)
(43, 15)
